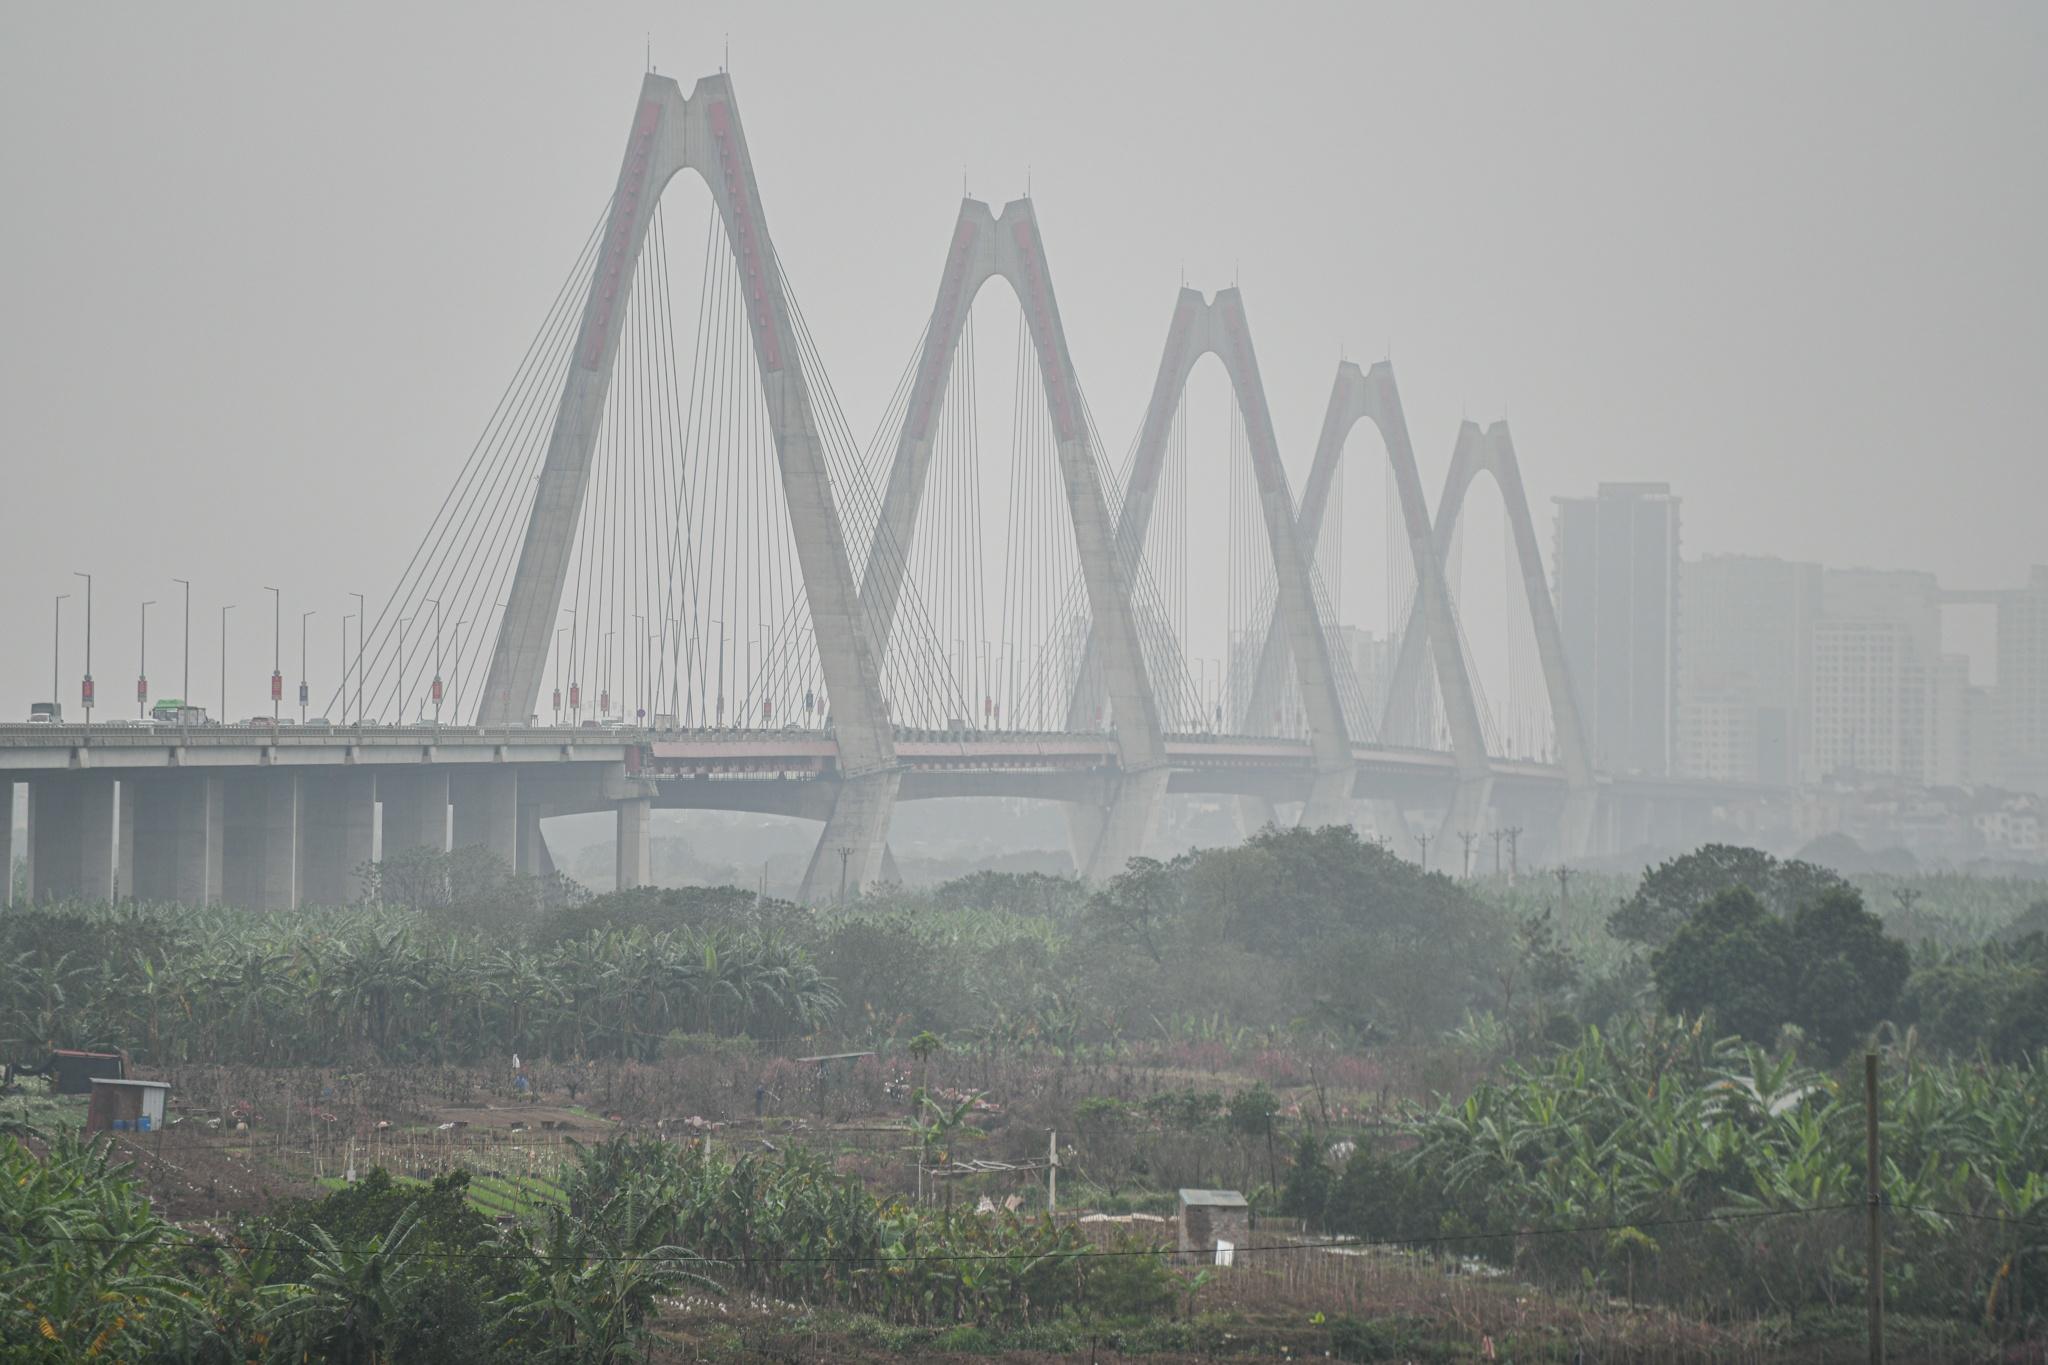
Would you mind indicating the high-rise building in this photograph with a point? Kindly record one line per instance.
(1877, 665)
(1616, 573)
(1862, 689)
(2020, 699)
(1745, 667)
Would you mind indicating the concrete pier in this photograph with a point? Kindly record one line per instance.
(415, 811)
(337, 830)
(633, 861)
(260, 867)
(487, 811)
(71, 836)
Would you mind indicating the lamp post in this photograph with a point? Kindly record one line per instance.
(435, 691)
(142, 666)
(343, 660)
(276, 653)
(304, 616)
(402, 623)
(57, 653)
(559, 633)
(455, 673)
(185, 685)
(85, 687)
(575, 687)
(362, 619)
(224, 663)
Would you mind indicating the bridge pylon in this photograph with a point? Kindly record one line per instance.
(1203, 327)
(987, 245)
(702, 132)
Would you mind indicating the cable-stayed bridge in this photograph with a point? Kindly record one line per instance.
(670, 575)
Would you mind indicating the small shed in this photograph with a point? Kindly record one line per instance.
(72, 1072)
(125, 1106)
(1214, 1224)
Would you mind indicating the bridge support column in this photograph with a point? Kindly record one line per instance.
(261, 856)
(1329, 799)
(6, 842)
(415, 811)
(633, 861)
(179, 838)
(337, 835)
(1108, 837)
(533, 858)
(71, 837)
(487, 811)
(849, 853)
(124, 840)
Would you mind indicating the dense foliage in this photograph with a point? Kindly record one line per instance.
(1696, 1162)
(383, 1271)
(174, 984)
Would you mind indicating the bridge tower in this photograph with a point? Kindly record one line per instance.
(1492, 452)
(1203, 327)
(1008, 245)
(702, 132)
(1358, 395)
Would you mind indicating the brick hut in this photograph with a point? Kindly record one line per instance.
(1213, 1225)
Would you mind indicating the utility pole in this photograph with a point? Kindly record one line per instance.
(1874, 1190)
(1423, 839)
(1514, 832)
(845, 853)
(85, 687)
(142, 666)
(1468, 836)
(185, 686)
(304, 616)
(1498, 835)
(1564, 892)
(276, 653)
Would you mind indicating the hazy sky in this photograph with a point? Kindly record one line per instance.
(268, 267)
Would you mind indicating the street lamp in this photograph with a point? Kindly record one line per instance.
(142, 666)
(57, 652)
(224, 663)
(185, 687)
(435, 603)
(362, 620)
(276, 653)
(455, 673)
(559, 633)
(85, 687)
(575, 687)
(304, 616)
(344, 664)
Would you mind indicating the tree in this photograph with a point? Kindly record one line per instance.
(1848, 973)
(1732, 957)
(1672, 892)
(1135, 906)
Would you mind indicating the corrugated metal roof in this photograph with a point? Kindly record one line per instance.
(1213, 1199)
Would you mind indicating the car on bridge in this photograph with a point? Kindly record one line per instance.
(45, 713)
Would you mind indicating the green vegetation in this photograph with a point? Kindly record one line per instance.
(1698, 1163)
(385, 1270)
(1640, 1091)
